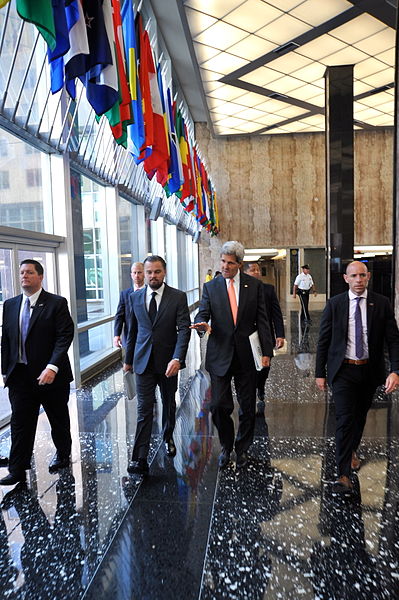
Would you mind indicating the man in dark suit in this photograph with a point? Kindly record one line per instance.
(37, 332)
(276, 324)
(122, 316)
(353, 330)
(235, 305)
(157, 342)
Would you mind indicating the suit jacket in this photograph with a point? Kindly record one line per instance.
(274, 314)
(381, 327)
(49, 336)
(227, 337)
(166, 338)
(122, 316)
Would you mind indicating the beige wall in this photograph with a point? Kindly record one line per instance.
(271, 189)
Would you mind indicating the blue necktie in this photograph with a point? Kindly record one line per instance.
(24, 328)
(152, 309)
(358, 330)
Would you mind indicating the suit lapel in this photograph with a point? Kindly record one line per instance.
(370, 311)
(164, 303)
(244, 287)
(224, 296)
(344, 312)
(37, 310)
(140, 300)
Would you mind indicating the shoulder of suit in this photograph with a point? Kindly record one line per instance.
(49, 296)
(171, 290)
(269, 287)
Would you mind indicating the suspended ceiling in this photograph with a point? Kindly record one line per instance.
(257, 67)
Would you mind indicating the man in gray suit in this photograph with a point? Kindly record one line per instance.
(156, 348)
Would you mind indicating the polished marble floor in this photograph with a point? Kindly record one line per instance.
(273, 530)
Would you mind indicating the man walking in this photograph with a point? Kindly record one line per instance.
(37, 332)
(123, 311)
(235, 305)
(156, 348)
(276, 325)
(302, 285)
(354, 327)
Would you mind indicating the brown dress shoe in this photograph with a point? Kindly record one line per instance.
(343, 485)
(356, 462)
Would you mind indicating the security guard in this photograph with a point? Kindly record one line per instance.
(302, 286)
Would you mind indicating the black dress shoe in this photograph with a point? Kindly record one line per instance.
(138, 467)
(170, 447)
(3, 461)
(343, 485)
(13, 478)
(260, 408)
(224, 458)
(58, 462)
(242, 459)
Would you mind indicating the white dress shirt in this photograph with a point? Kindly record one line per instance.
(158, 296)
(236, 285)
(304, 281)
(351, 341)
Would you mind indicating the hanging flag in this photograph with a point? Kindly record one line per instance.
(135, 131)
(62, 44)
(163, 169)
(66, 20)
(3, 3)
(155, 150)
(175, 179)
(40, 13)
(101, 80)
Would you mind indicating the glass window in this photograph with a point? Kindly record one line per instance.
(91, 248)
(133, 237)
(25, 187)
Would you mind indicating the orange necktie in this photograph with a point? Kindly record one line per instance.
(233, 300)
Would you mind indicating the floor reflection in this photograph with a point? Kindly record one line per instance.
(272, 530)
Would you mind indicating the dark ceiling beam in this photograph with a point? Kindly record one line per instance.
(380, 9)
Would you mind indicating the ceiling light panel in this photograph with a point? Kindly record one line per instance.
(207, 75)
(305, 92)
(285, 84)
(250, 114)
(198, 21)
(347, 56)
(387, 57)
(321, 47)
(290, 62)
(230, 122)
(228, 109)
(387, 107)
(357, 29)
(262, 76)
(316, 120)
(318, 100)
(365, 113)
(368, 67)
(250, 99)
(381, 121)
(249, 127)
(376, 99)
(382, 78)
(224, 63)
(310, 73)
(379, 42)
(269, 119)
(289, 112)
(215, 8)
(316, 12)
(221, 36)
(226, 92)
(252, 14)
(252, 47)
(283, 30)
(204, 53)
(210, 86)
(214, 103)
(360, 88)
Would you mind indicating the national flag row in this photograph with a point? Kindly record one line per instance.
(105, 45)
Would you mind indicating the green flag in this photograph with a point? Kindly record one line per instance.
(40, 13)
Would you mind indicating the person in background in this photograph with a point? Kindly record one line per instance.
(208, 276)
(123, 311)
(276, 325)
(217, 274)
(302, 285)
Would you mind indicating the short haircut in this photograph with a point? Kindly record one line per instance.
(248, 264)
(155, 258)
(233, 249)
(31, 261)
(136, 262)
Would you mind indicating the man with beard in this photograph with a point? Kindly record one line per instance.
(157, 342)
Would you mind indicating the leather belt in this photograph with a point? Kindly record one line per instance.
(350, 361)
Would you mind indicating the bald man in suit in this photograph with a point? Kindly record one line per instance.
(350, 358)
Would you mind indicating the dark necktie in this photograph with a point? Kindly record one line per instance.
(358, 330)
(24, 328)
(152, 309)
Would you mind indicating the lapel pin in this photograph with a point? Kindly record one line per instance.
(246, 285)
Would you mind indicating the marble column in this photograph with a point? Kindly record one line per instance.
(339, 175)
